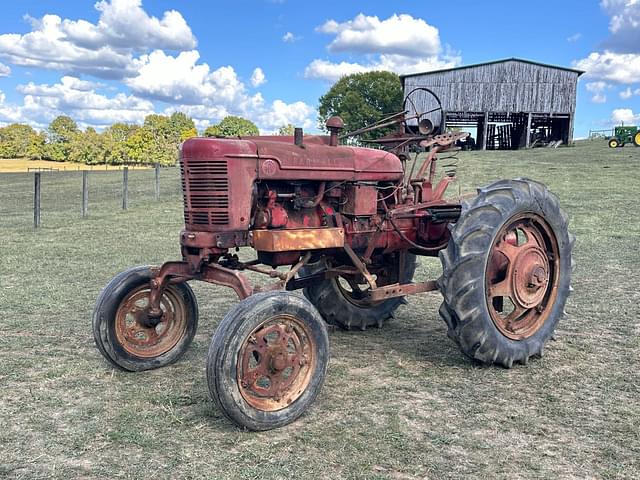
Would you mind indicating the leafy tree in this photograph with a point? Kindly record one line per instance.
(182, 126)
(286, 130)
(20, 141)
(62, 129)
(362, 99)
(115, 139)
(231, 126)
(88, 147)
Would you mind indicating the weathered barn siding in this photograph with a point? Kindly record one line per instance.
(510, 86)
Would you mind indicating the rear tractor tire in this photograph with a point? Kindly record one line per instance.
(124, 333)
(267, 360)
(506, 272)
(636, 139)
(342, 303)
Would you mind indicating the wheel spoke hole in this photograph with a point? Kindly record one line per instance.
(521, 237)
(263, 382)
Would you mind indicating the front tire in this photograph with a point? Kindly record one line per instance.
(268, 360)
(613, 143)
(506, 272)
(125, 335)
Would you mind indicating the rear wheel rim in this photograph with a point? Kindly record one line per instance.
(136, 333)
(522, 276)
(276, 363)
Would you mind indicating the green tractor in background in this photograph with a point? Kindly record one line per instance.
(622, 135)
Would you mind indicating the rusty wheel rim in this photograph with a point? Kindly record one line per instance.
(148, 338)
(522, 276)
(276, 363)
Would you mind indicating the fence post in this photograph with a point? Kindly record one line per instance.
(85, 193)
(36, 200)
(125, 188)
(157, 182)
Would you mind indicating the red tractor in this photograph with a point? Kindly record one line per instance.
(349, 222)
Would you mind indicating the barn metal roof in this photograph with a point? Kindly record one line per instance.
(513, 59)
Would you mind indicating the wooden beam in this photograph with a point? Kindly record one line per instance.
(484, 130)
(528, 139)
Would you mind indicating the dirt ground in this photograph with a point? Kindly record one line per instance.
(400, 402)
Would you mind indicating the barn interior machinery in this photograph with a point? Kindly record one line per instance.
(345, 225)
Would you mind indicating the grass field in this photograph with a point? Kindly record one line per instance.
(18, 165)
(399, 403)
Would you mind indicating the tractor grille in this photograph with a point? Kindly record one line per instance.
(205, 187)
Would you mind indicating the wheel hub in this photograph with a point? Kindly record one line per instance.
(530, 277)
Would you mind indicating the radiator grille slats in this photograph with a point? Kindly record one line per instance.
(205, 186)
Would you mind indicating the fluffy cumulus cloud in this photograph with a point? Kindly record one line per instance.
(612, 67)
(106, 49)
(619, 59)
(153, 59)
(624, 25)
(400, 43)
(289, 37)
(77, 98)
(627, 93)
(5, 71)
(626, 115)
(258, 78)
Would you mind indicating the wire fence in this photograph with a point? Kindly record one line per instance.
(60, 197)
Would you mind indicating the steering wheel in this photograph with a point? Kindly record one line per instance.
(409, 106)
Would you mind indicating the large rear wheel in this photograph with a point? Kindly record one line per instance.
(636, 139)
(506, 272)
(343, 301)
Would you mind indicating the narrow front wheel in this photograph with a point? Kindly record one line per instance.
(267, 360)
(128, 337)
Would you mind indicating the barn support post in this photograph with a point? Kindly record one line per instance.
(528, 139)
(485, 128)
(570, 133)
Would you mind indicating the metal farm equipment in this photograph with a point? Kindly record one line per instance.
(349, 223)
(623, 135)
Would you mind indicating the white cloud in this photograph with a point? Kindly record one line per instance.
(280, 113)
(626, 94)
(625, 115)
(78, 99)
(624, 25)
(125, 24)
(289, 37)
(400, 43)
(5, 71)
(398, 35)
(599, 98)
(613, 67)
(596, 87)
(105, 49)
(574, 38)
(182, 80)
(257, 77)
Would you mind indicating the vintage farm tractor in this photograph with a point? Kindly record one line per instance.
(623, 135)
(349, 222)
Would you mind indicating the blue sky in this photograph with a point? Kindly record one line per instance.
(270, 60)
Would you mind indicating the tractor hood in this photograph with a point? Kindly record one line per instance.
(278, 158)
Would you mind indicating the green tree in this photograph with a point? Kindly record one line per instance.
(115, 139)
(20, 141)
(182, 127)
(286, 130)
(232, 127)
(62, 129)
(88, 147)
(362, 99)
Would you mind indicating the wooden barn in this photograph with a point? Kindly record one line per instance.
(510, 103)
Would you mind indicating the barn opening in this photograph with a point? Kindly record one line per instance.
(505, 104)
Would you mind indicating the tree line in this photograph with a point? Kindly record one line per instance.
(360, 99)
(155, 141)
